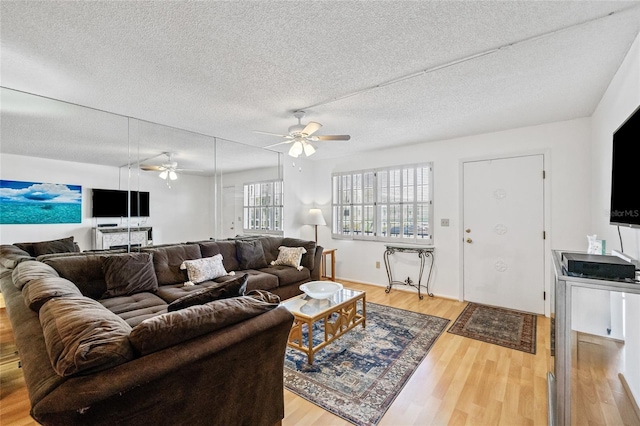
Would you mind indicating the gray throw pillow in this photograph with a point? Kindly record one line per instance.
(232, 288)
(250, 254)
(129, 273)
(63, 245)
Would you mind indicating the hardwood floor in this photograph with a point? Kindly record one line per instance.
(461, 381)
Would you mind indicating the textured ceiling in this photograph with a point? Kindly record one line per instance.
(387, 73)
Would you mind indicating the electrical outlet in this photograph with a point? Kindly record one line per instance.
(444, 222)
(377, 265)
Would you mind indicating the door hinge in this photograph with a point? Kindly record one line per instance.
(544, 295)
(544, 235)
(544, 174)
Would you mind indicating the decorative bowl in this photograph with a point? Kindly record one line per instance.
(321, 289)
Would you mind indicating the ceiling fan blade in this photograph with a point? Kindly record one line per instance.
(188, 170)
(333, 137)
(271, 134)
(150, 168)
(276, 144)
(311, 128)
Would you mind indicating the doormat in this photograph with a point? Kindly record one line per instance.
(358, 376)
(500, 326)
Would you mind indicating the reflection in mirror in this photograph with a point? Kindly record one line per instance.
(176, 167)
(50, 141)
(248, 190)
(61, 144)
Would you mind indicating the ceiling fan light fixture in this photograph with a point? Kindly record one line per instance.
(308, 149)
(296, 149)
(173, 175)
(163, 174)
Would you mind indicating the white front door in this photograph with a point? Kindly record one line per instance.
(503, 219)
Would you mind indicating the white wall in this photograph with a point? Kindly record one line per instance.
(181, 213)
(620, 99)
(567, 151)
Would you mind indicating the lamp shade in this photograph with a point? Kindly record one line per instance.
(315, 217)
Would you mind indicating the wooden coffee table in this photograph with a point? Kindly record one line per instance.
(338, 314)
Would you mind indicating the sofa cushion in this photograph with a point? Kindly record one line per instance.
(31, 270)
(82, 336)
(84, 270)
(10, 256)
(62, 245)
(270, 246)
(37, 292)
(287, 275)
(250, 254)
(205, 269)
(232, 288)
(129, 273)
(308, 259)
(169, 329)
(289, 256)
(257, 280)
(135, 308)
(167, 261)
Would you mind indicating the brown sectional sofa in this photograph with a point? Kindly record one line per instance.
(214, 363)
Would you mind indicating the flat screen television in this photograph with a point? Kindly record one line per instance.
(625, 173)
(113, 203)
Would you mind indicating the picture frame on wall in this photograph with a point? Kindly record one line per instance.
(24, 203)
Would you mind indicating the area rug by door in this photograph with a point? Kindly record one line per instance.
(358, 376)
(500, 326)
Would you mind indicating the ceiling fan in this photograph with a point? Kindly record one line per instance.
(168, 171)
(301, 136)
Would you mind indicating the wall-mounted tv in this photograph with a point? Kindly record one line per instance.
(113, 203)
(625, 175)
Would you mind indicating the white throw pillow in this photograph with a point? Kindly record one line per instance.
(205, 269)
(290, 256)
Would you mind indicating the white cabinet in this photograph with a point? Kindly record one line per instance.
(115, 237)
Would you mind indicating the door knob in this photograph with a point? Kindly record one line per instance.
(469, 240)
(467, 230)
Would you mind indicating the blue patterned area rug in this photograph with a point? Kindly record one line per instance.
(358, 376)
(499, 326)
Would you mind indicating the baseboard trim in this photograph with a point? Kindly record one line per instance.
(401, 287)
(627, 389)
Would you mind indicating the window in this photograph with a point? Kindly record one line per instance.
(263, 207)
(390, 204)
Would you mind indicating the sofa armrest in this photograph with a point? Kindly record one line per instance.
(315, 273)
(178, 385)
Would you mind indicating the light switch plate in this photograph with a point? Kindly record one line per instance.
(444, 222)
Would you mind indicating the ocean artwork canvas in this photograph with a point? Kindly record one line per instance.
(39, 203)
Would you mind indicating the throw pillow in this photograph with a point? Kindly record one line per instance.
(129, 273)
(63, 245)
(37, 292)
(205, 269)
(250, 254)
(290, 256)
(82, 336)
(165, 330)
(232, 288)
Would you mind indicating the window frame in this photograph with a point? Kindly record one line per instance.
(394, 194)
(277, 209)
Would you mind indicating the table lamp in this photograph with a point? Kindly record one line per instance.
(315, 218)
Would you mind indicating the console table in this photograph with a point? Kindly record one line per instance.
(108, 237)
(423, 252)
(559, 378)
